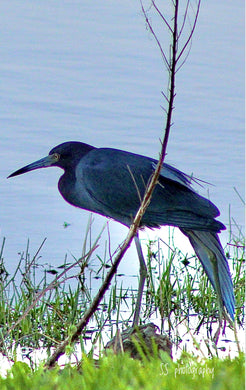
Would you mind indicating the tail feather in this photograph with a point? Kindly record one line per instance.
(211, 254)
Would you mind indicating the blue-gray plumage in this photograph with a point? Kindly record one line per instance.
(112, 183)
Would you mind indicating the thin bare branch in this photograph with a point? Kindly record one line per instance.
(155, 36)
(184, 60)
(165, 96)
(162, 17)
(192, 31)
(184, 19)
(164, 109)
(135, 183)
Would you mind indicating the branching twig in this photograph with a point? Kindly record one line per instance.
(191, 32)
(166, 62)
(162, 17)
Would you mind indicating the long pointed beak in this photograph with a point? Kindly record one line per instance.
(45, 162)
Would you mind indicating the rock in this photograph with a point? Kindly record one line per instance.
(140, 340)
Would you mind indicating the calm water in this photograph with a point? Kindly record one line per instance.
(73, 71)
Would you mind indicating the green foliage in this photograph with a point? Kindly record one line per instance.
(123, 373)
(177, 291)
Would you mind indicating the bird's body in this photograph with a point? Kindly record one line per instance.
(112, 183)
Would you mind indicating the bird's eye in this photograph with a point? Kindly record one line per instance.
(56, 156)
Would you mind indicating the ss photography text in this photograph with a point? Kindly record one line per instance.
(187, 369)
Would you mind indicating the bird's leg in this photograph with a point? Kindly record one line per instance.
(142, 277)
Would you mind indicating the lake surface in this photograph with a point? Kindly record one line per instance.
(92, 72)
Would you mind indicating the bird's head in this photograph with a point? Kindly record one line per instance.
(66, 155)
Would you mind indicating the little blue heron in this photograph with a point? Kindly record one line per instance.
(112, 183)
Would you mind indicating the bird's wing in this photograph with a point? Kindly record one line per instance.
(171, 173)
(184, 198)
(115, 181)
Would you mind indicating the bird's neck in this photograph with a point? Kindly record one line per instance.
(66, 186)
